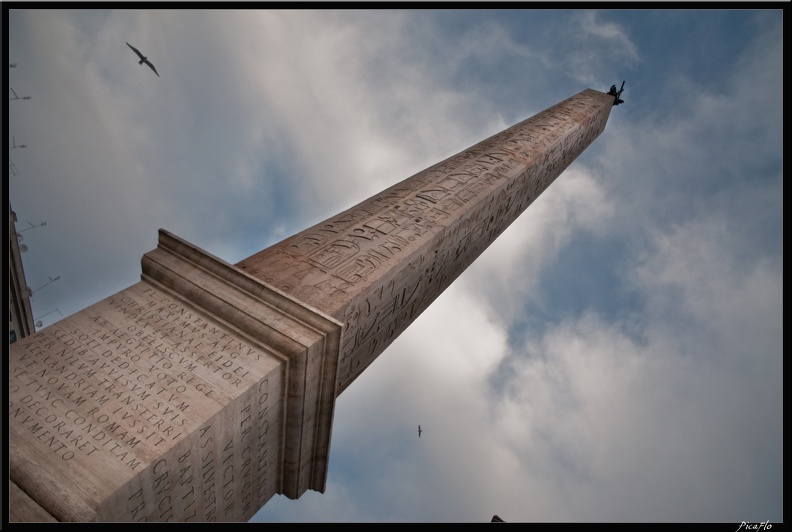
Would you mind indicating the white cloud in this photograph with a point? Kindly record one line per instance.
(609, 32)
(612, 423)
(592, 47)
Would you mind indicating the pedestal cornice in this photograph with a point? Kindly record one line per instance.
(306, 339)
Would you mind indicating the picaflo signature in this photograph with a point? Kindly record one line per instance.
(764, 525)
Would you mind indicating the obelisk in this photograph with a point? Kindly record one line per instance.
(206, 388)
(378, 265)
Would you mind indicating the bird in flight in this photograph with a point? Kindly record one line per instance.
(419, 431)
(143, 59)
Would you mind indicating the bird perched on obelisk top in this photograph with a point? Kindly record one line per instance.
(143, 59)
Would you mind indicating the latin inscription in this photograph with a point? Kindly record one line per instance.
(129, 383)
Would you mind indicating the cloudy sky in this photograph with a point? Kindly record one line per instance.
(615, 356)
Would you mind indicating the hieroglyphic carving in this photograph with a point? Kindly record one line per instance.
(378, 265)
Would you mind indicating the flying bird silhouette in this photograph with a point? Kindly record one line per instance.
(419, 431)
(143, 59)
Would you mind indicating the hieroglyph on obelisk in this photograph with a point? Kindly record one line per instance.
(206, 388)
(378, 265)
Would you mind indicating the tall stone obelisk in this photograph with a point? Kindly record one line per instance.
(206, 388)
(378, 265)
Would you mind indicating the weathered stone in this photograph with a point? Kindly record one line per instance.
(25, 509)
(196, 394)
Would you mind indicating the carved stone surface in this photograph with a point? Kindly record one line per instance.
(206, 388)
(378, 265)
(26, 509)
(194, 395)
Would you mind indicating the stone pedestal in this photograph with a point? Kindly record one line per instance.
(194, 395)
